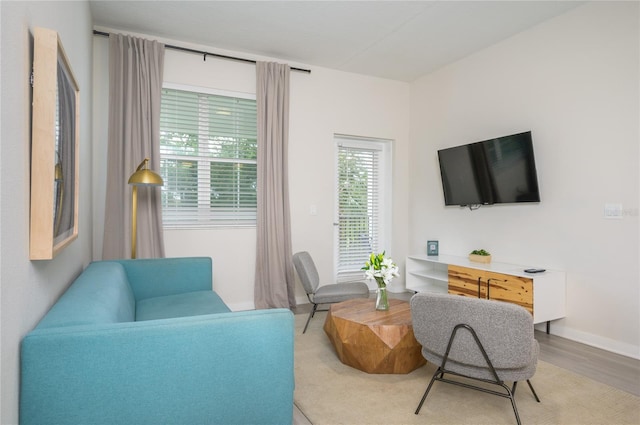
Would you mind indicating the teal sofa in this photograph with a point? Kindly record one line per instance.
(149, 342)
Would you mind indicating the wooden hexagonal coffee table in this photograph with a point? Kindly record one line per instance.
(374, 341)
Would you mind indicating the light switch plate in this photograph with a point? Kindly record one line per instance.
(612, 210)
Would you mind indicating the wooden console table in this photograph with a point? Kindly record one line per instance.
(542, 294)
(374, 341)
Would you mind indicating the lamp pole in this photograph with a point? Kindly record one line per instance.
(134, 219)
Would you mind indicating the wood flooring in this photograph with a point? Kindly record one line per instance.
(600, 365)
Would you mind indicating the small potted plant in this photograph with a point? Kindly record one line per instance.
(480, 256)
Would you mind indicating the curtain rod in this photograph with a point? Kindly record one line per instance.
(205, 54)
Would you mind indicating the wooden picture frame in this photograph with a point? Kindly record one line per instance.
(54, 148)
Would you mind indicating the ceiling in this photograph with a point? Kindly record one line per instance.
(399, 40)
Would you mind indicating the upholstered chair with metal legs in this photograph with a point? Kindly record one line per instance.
(472, 340)
(325, 294)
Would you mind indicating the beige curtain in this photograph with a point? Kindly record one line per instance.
(135, 87)
(274, 280)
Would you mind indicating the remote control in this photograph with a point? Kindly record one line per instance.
(534, 270)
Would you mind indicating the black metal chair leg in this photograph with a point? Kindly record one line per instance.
(424, 397)
(513, 404)
(313, 311)
(533, 391)
(513, 390)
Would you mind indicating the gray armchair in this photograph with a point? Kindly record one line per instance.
(475, 340)
(325, 294)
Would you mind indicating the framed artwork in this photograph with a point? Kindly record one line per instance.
(54, 148)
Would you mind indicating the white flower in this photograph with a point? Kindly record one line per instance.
(380, 267)
(369, 274)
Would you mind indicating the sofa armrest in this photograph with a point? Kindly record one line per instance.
(157, 277)
(229, 368)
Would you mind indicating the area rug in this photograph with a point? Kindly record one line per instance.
(329, 392)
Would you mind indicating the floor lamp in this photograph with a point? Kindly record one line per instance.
(142, 177)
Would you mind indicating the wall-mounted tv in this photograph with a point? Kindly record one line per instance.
(494, 171)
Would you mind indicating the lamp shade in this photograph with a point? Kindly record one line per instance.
(145, 177)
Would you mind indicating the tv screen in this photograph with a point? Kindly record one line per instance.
(494, 171)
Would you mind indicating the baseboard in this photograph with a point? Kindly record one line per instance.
(608, 344)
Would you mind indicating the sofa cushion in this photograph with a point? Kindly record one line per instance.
(194, 303)
(101, 294)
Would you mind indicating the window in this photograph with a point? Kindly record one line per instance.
(362, 207)
(208, 147)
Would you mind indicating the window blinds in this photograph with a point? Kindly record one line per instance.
(208, 146)
(358, 209)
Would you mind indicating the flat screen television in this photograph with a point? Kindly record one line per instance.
(495, 171)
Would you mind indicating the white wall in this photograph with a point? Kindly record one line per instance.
(573, 81)
(322, 103)
(29, 288)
